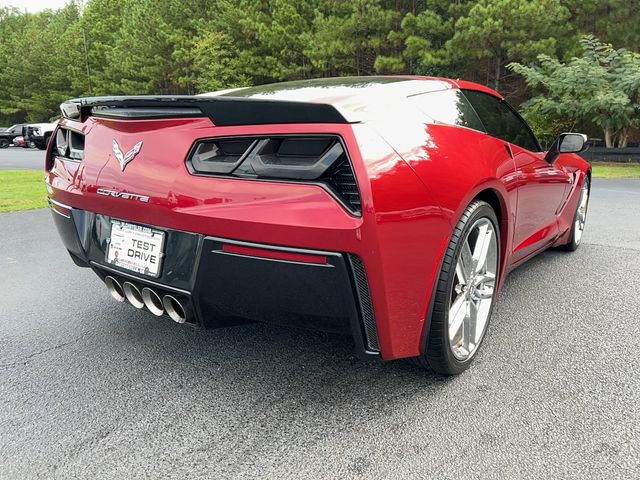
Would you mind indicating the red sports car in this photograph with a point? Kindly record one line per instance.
(387, 208)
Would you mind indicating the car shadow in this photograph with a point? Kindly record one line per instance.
(288, 360)
(284, 360)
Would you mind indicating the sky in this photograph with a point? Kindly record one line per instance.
(33, 5)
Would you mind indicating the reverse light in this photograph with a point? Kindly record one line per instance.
(220, 156)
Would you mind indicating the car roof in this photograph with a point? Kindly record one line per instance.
(330, 90)
(356, 98)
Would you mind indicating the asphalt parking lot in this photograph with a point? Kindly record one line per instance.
(14, 158)
(90, 388)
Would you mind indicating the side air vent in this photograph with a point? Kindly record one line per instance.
(320, 159)
(364, 300)
(343, 181)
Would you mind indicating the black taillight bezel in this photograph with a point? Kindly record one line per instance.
(324, 180)
(74, 143)
(73, 153)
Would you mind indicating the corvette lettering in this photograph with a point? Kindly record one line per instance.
(123, 195)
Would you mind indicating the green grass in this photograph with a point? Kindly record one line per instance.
(22, 190)
(615, 170)
(25, 190)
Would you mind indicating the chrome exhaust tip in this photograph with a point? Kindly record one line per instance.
(132, 294)
(114, 288)
(174, 309)
(152, 301)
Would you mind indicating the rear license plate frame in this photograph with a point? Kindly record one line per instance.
(122, 236)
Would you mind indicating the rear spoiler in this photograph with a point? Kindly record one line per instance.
(222, 111)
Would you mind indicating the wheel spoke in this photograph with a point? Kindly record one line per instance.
(460, 273)
(483, 307)
(470, 325)
(481, 248)
(465, 262)
(457, 315)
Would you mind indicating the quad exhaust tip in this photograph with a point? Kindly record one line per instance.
(174, 309)
(133, 294)
(114, 288)
(146, 297)
(152, 301)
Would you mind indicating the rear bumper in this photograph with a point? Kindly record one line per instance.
(225, 282)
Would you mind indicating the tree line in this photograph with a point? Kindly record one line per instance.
(100, 47)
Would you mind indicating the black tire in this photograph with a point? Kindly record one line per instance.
(4, 143)
(438, 355)
(574, 239)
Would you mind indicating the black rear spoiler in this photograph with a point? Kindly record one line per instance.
(222, 111)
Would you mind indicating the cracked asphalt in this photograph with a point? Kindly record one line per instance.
(90, 388)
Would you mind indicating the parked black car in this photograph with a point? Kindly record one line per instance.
(7, 136)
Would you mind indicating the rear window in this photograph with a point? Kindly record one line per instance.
(448, 106)
(501, 121)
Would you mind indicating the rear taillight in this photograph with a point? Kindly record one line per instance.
(219, 156)
(69, 144)
(319, 159)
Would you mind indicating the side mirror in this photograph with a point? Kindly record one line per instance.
(567, 143)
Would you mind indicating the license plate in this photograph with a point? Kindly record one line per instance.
(136, 248)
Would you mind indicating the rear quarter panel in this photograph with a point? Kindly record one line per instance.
(456, 164)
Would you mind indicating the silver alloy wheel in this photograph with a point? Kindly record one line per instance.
(581, 214)
(472, 290)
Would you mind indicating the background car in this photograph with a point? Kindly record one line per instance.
(7, 136)
(388, 208)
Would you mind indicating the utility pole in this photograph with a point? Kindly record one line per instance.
(86, 58)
